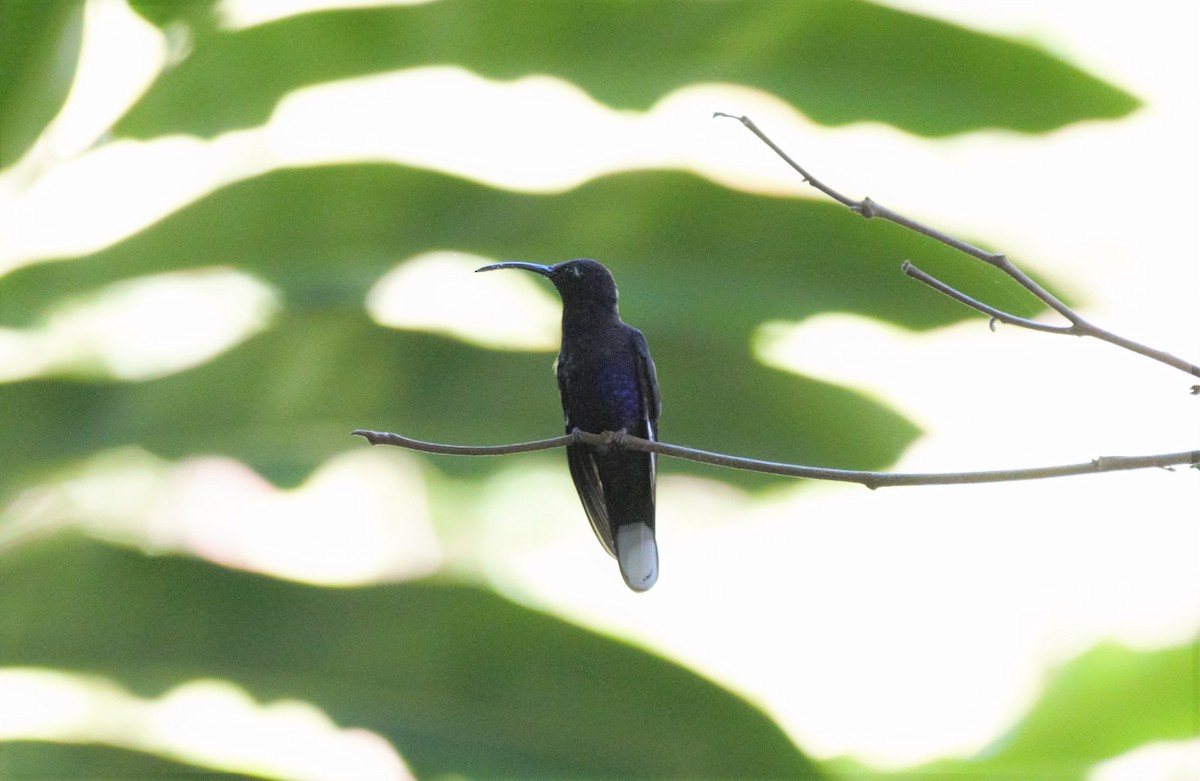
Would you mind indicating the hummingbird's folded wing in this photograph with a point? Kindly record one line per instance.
(586, 475)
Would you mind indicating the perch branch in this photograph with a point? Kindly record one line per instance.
(1078, 325)
(871, 480)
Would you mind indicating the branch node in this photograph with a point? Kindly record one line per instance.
(867, 208)
(370, 436)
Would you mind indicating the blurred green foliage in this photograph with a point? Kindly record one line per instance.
(39, 47)
(1106, 702)
(460, 680)
(94, 762)
(838, 61)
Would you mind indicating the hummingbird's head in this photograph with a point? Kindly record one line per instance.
(581, 281)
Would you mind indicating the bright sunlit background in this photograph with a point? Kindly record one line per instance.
(900, 652)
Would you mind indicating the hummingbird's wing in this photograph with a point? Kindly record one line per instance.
(647, 385)
(585, 473)
(637, 551)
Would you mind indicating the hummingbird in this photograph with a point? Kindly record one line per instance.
(607, 382)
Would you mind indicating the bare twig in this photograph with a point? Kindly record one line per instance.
(871, 480)
(385, 438)
(996, 314)
(1078, 325)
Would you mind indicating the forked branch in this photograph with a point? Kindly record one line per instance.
(1076, 324)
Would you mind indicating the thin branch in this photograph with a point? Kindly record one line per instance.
(996, 314)
(871, 480)
(1078, 325)
(385, 438)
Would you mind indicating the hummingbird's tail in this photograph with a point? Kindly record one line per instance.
(637, 553)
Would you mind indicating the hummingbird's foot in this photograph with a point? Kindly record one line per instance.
(602, 442)
(614, 440)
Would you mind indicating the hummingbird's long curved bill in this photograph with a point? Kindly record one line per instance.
(534, 267)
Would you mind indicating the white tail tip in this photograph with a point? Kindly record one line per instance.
(637, 554)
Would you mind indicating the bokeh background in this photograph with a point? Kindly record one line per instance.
(231, 232)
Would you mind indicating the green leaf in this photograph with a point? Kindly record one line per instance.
(838, 61)
(688, 255)
(28, 760)
(698, 279)
(39, 47)
(458, 679)
(1105, 703)
(163, 13)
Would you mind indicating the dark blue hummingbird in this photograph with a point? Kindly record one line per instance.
(607, 383)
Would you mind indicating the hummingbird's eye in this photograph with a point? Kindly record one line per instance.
(575, 272)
